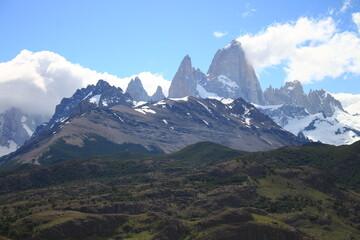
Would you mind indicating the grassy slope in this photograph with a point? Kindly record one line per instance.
(180, 189)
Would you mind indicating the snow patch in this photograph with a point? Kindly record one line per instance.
(27, 129)
(23, 119)
(11, 147)
(184, 99)
(162, 102)
(118, 117)
(227, 81)
(95, 99)
(271, 107)
(206, 107)
(227, 101)
(205, 94)
(138, 104)
(205, 122)
(148, 110)
(164, 121)
(140, 110)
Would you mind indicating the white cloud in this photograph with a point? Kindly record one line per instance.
(356, 20)
(345, 6)
(219, 34)
(309, 49)
(36, 82)
(249, 11)
(350, 102)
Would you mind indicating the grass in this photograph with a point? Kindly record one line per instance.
(267, 220)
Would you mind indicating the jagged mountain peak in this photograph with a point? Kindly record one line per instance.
(158, 95)
(291, 85)
(231, 75)
(183, 83)
(136, 90)
(186, 64)
(292, 94)
(83, 100)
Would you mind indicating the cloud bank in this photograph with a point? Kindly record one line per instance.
(36, 82)
(308, 49)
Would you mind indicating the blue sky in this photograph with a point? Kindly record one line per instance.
(124, 38)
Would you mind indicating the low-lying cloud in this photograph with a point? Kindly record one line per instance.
(308, 49)
(36, 82)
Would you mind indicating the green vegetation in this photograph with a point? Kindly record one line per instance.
(205, 191)
(341, 163)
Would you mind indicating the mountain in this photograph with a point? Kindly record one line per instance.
(136, 90)
(83, 100)
(292, 94)
(183, 83)
(317, 116)
(165, 126)
(230, 75)
(205, 191)
(158, 95)
(15, 128)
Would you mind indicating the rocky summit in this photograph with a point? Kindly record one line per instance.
(230, 76)
(99, 95)
(184, 84)
(158, 95)
(292, 94)
(136, 90)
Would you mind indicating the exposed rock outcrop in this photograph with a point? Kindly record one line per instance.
(183, 83)
(137, 91)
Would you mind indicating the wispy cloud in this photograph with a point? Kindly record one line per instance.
(249, 11)
(36, 82)
(356, 20)
(219, 34)
(345, 6)
(308, 49)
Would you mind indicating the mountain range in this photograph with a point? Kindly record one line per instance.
(316, 116)
(102, 114)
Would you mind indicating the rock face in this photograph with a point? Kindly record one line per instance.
(83, 100)
(321, 101)
(230, 75)
(137, 91)
(292, 94)
(183, 83)
(15, 128)
(158, 95)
